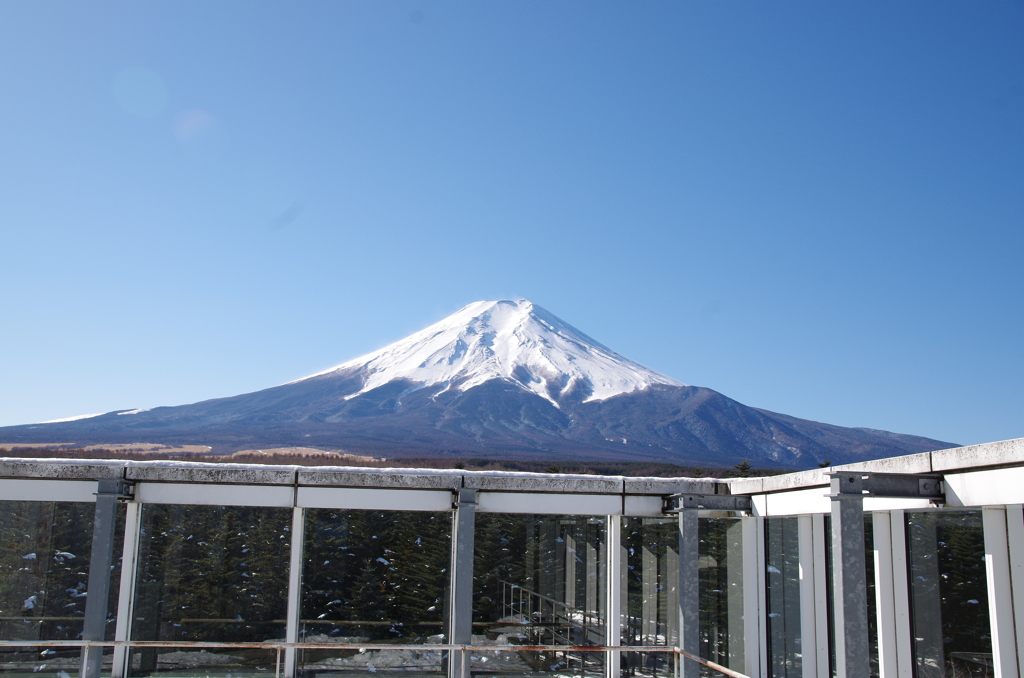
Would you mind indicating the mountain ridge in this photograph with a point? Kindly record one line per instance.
(498, 379)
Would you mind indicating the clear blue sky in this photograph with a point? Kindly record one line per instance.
(814, 208)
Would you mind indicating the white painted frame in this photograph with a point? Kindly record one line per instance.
(550, 504)
(126, 592)
(215, 495)
(294, 590)
(808, 595)
(18, 489)
(1015, 544)
(1000, 605)
(373, 499)
(821, 617)
(613, 587)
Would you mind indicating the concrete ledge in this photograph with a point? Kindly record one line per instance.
(666, 486)
(1002, 453)
(63, 469)
(746, 485)
(789, 481)
(398, 478)
(194, 472)
(909, 463)
(540, 482)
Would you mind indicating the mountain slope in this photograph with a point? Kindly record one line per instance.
(495, 379)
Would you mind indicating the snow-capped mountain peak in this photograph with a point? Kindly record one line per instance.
(512, 340)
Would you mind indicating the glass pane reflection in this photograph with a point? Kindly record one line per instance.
(213, 573)
(949, 594)
(45, 548)
(539, 580)
(375, 576)
(782, 547)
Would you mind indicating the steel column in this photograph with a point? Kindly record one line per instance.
(460, 601)
(100, 563)
(849, 588)
(689, 592)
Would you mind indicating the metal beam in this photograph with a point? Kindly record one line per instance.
(892, 485)
(706, 502)
(110, 491)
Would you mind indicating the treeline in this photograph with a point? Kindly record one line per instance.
(333, 458)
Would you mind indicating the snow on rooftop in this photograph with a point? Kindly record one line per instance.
(512, 340)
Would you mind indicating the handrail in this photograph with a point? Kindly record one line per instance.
(275, 645)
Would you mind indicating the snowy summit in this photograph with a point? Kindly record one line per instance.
(516, 341)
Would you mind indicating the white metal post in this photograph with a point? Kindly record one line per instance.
(821, 619)
(613, 570)
(754, 633)
(1000, 605)
(901, 594)
(291, 633)
(126, 591)
(884, 603)
(808, 623)
(1015, 542)
(94, 625)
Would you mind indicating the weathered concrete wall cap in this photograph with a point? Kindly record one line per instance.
(64, 469)
(544, 482)
(192, 472)
(380, 478)
(1001, 453)
(666, 486)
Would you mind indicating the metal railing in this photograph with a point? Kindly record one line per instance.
(362, 647)
(542, 615)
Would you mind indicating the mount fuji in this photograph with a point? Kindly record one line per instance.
(496, 379)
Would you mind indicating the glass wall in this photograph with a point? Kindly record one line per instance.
(45, 549)
(949, 599)
(210, 573)
(539, 580)
(721, 592)
(651, 612)
(374, 576)
(782, 579)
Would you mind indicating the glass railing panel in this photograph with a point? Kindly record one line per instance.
(540, 580)
(720, 565)
(375, 577)
(782, 579)
(45, 549)
(214, 574)
(649, 664)
(949, 594)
